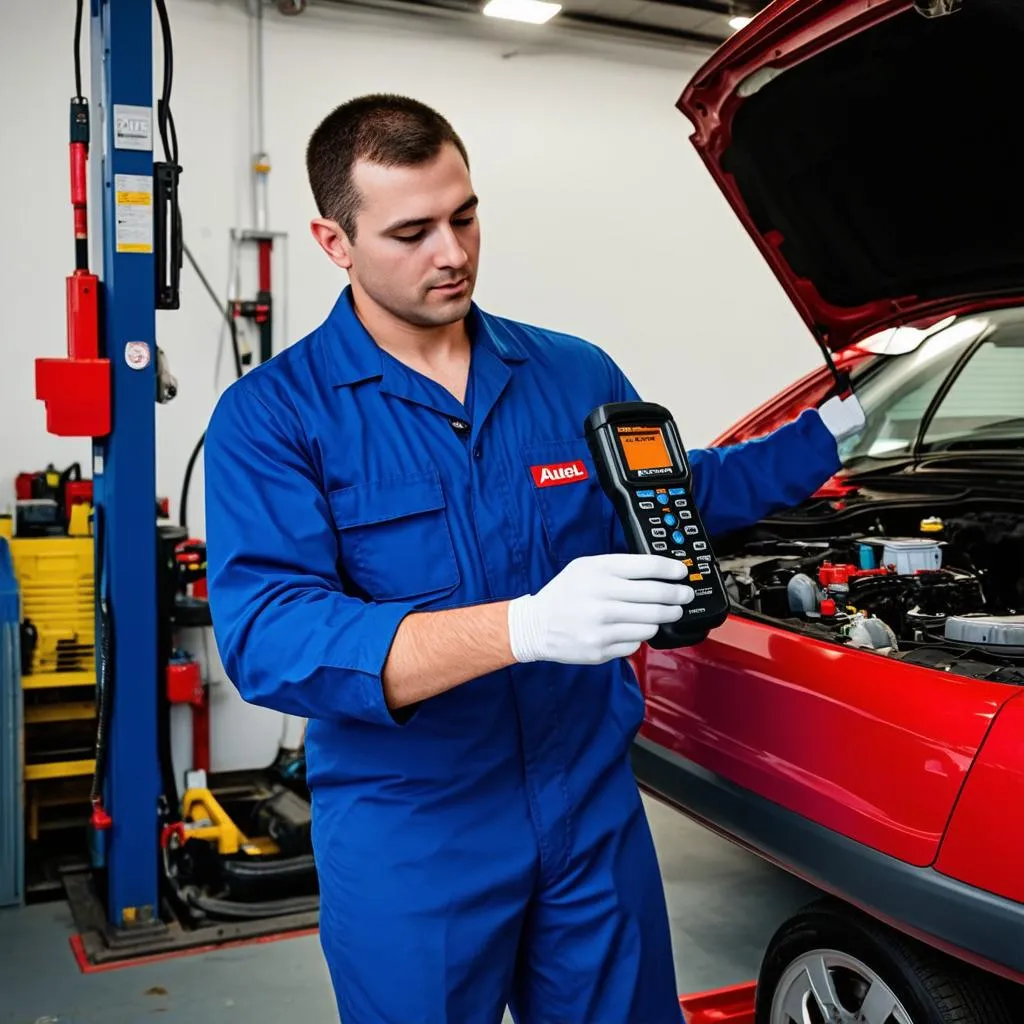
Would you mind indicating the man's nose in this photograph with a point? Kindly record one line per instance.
(450, 252)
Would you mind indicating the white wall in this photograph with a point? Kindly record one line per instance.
(598, 217)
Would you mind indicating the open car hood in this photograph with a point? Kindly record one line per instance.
(872, 153)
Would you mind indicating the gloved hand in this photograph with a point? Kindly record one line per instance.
(598, 608)
(843, 416)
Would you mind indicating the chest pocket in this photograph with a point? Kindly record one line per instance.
(395, 539)
(575, 513)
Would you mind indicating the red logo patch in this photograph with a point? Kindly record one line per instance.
(561, 473)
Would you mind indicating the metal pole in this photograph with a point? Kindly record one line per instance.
(260, 167)
(124, 470)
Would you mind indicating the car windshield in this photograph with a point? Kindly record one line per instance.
(975, 363)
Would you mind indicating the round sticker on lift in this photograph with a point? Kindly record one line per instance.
(136, 354)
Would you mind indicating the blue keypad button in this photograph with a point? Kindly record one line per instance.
(663, 498)
(677, 537)
(645, 494)
(676, 491)
(670, 520)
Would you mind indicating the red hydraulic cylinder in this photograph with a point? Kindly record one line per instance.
(76, 389)
(266, 246)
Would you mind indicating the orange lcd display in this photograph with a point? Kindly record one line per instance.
(644, 448)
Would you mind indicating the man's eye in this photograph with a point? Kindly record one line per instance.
(409, 238)
(463, 222)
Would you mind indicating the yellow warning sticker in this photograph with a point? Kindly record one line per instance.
(133, 213)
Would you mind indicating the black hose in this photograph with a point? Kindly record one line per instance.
(105, 666)
(165, 118)
(252, 911)
(187, 482)
(78, 50)
(250, 871)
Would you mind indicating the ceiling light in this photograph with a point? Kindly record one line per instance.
(740, 21)
(535, 12)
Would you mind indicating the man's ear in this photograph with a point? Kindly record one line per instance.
(333, 240)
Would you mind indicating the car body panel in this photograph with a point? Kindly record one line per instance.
(874, 749)
(962, 920)
(984, 845)
(777, 180)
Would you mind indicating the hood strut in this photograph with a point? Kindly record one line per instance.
(841, 377)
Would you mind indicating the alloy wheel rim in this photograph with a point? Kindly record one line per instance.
(825, 986)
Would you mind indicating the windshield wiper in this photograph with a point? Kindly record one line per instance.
(977, 442)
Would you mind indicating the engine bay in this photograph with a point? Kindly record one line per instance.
(941, 591)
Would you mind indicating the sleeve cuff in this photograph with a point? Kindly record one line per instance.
(377, 634)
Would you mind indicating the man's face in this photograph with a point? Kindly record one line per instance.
(417, 240)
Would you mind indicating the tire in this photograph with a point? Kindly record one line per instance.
(859, 953)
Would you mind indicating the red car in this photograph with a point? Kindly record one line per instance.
(859, 719)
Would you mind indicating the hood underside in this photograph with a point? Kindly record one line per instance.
(873, 155)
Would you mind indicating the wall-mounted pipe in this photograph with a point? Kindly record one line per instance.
(260, 165)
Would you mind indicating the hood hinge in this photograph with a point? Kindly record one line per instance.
(936, 8)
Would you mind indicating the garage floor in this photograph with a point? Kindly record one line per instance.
(724, 905)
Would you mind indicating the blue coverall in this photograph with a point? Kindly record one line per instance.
(489, 845)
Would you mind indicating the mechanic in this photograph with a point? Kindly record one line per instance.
(389, 559)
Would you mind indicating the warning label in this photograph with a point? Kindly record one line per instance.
(133, 213)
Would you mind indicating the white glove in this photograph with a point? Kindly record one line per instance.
(598, 608)
(844, 417)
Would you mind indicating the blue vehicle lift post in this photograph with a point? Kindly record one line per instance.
(124, 470)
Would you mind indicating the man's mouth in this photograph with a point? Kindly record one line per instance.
(450, 287)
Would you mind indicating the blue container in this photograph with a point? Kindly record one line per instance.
(12, 815)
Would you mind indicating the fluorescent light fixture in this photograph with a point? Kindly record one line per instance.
(535, 12)
(740, 21)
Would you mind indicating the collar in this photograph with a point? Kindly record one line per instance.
(352, 356)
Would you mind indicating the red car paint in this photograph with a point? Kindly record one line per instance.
(925, 766)
(875, 750)
(994, 794)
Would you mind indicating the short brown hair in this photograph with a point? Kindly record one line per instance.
(382, 128)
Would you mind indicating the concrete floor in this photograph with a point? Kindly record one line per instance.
(724, 904)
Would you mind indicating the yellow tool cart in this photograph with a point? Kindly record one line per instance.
(55, 576)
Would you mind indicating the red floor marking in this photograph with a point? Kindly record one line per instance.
(82, 959)
(733, 1005)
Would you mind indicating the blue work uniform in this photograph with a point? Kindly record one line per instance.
(489, 845)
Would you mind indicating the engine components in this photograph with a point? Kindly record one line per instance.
(871, 633)
(911, 555)
(804, 598)
(889, 592)
(987, 630)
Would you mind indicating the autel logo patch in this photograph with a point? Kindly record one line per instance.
(562, 473)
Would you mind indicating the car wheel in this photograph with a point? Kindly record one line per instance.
(832, 965)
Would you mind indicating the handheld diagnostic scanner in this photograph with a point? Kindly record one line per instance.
(643, 469)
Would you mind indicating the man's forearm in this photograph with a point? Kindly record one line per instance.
(435, 651)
